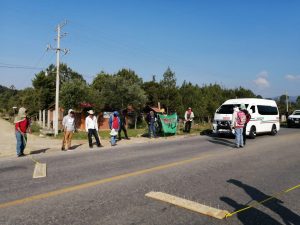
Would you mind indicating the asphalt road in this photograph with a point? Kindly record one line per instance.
(109, 186)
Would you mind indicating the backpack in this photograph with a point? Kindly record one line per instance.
(241, 118)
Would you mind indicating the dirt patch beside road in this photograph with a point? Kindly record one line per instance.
(38, 144)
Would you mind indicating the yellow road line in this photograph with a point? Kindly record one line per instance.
(98, 182)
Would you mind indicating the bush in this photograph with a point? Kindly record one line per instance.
(35, 127)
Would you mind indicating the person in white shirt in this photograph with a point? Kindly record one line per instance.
(69, 127)
(188, 118)
(91, 127)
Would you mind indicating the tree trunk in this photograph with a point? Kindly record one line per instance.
(135, 121)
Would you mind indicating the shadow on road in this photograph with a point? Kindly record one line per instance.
(39, 151)
(252, 216)
(76, 146)
(222, 141)
(11, 168)
(275, 205)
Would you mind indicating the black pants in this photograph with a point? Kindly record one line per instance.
(244, 133)
(188, 125)
(122, 128)
(93, 132)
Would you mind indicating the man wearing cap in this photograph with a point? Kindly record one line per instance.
(188, 116)
(91, 126)
(22, 125)
(69, 127)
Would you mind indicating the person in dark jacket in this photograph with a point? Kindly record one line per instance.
(151, 119)
(248, 117)
(123, 125)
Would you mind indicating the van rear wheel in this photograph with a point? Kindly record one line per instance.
(252, 133)
(274, 130)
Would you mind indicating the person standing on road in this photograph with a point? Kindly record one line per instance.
(123, 125)
(114, 126)
(248, 117)
(188, 118)
(151, 119)
(238, 122)
(91, 127)
(22, 125)
(69, 128)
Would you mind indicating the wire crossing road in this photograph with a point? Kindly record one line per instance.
(109, 186)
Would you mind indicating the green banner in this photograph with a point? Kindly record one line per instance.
(169, 123)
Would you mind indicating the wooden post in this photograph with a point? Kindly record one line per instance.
(44, 118)
(40, 117)
(48, 120)
(135, 121)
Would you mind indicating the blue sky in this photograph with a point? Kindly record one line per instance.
(254, 44)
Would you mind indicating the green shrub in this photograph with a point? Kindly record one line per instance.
(35, 127)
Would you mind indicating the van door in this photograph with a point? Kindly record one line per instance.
(254, 119)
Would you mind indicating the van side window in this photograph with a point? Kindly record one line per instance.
(267, 110)
(253, 108)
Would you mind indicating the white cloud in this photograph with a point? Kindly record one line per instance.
(262, 80)
(290, 77)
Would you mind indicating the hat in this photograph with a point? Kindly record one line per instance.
(21, 115)
(91, 112)
(70, 111)
(242, 106)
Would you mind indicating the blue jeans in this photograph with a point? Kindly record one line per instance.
(239, 137)
(113, 140)
(21, 143)
(152, 130)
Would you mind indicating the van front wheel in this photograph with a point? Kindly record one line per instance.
(274, 130)
(252, 133)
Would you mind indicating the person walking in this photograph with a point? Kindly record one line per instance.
(188, 118)
(22, 126)
(123, 125)
(151, 119)
(238, 122)
(69, 128)
(248, 117)
(91, 127)
(114, 126)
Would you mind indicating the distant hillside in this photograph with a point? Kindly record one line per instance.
(3, 89)
(291, 98)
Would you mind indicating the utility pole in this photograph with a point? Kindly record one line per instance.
(57, 49)
(287, 102)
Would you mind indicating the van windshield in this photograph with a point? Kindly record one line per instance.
(296, 112)
(226, 109)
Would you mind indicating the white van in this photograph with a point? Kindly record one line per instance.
(264, 116)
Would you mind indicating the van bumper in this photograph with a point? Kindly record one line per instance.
(222, 129)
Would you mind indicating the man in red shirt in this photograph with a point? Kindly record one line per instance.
(22, 124)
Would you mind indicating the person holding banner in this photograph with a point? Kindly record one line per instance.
(188, 118)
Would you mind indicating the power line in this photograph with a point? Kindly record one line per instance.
(20, 67)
